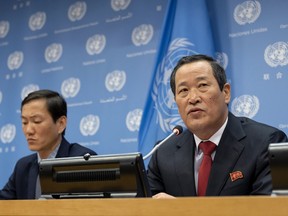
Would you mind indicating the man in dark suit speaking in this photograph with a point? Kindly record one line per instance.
(44, 119)
(219, 154)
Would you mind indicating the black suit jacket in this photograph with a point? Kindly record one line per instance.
(242, 150)
(22, 182)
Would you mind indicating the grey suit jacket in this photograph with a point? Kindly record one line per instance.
(240, 166)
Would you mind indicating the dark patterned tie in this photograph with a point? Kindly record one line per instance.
(208, 148)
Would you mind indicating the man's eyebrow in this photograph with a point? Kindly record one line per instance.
(33, 116)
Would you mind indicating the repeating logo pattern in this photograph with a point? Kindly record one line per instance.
(77, 11)
(70, 87)
(15, 60)
(88, 34)
(28, 89)
(4, 28)
(118, 5)
(247, 12)
(8, 133)
(115, 80)
(142, 34)
(89, 125)
(222, 59)
(133, 120)
(37, 21)
(245, 105)
(276, 54)
(53, 52)
(95, 44)
(162, 95)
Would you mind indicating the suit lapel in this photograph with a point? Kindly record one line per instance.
(184, 157)
(227, 154)
(32, 177)
(63, 150)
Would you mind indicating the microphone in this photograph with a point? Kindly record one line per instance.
(86, 156)
(176, 131)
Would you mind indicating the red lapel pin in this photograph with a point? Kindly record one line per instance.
(236, 175)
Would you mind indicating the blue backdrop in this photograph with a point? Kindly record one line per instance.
(111, 60)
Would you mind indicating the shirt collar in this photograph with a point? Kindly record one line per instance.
(52, 154)
(215, 138)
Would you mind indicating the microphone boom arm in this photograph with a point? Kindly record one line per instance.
(176, 131)
(157, 146)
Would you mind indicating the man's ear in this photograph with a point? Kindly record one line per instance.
(227, 92)
(61, 123)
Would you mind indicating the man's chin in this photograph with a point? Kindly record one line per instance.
(33, 148)
(196, 126)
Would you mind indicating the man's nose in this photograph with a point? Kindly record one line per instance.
(193, 96)
(28, 128)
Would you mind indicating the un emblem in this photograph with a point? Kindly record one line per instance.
(95, 44)
(4, 28)
(133, 120)
(37, 21)
(222, 59)
(118, 5)
(142, 34)
(166, 108)
(8, 133)
(276, 54)
(247, 12)
(53, 52)
(115, 80)
(70, 87)
(89, 125)
(28, 89)
(15, 60)
(77, 11)
(245, 105)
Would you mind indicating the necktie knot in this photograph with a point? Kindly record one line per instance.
(207, 147)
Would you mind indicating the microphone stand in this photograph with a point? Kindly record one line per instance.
(157, 146)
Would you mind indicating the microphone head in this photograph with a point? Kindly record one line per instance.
(178, 129)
